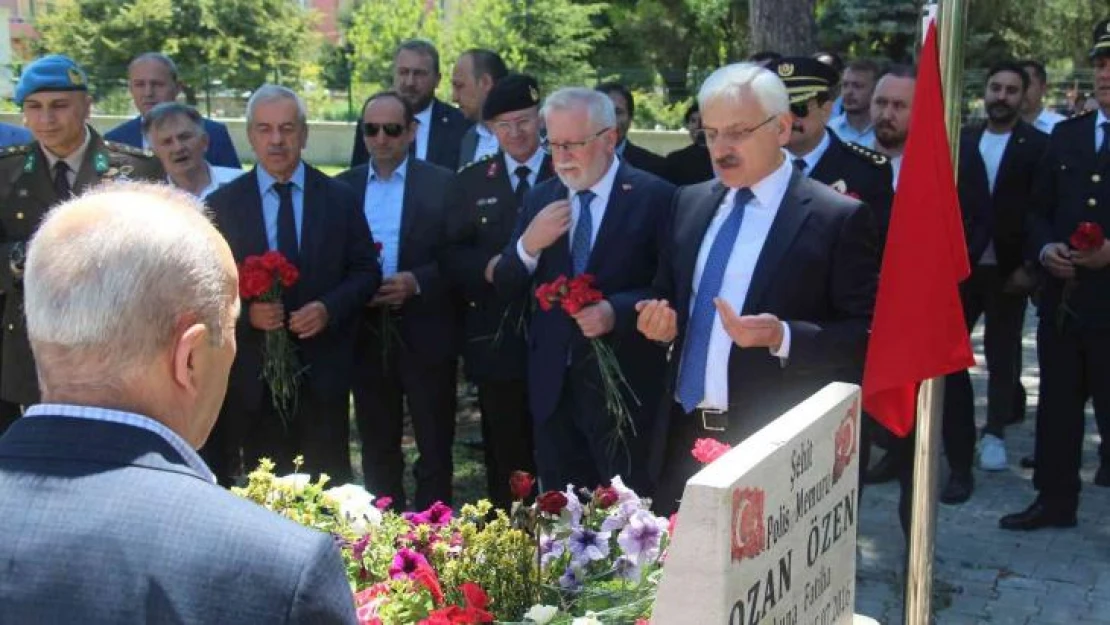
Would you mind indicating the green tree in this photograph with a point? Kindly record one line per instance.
(886, 29)
(242, 43)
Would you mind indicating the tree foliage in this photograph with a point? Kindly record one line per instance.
(243, 43)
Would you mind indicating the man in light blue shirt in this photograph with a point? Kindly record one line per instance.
(14, 135)
(857, 87)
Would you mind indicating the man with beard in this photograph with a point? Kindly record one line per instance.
(1073, 334)
(440, 126)
(1033, 111)
(856, 89)
(997, 165)
(890, 112)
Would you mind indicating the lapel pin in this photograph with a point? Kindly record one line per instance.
(626, 187)
(840, 186)
(22, 193)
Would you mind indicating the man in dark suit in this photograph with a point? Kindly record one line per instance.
(644, 160)
(475, 74)
(441, 126)
(797, 260)
(66, 157)
(998, 162)
(691, 164)
(152, 80)
(601, 217)
(315, 222)
(133, 372)
(484, 202)
(1073, 337)
(405, 347)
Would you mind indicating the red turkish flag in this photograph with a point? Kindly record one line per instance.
(918, 330)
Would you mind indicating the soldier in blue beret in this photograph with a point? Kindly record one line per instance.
(66, 157)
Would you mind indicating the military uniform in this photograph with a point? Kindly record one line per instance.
(26, 194)
(861, 173)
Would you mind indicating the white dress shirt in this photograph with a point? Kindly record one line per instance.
(896, 167)
(759, 214)
(423, 131)
(534, 163)
(217, 177)
(74, 160)
(1047, 120)
(602, 189)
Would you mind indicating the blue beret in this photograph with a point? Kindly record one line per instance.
(51, 73)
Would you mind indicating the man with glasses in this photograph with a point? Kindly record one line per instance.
(485, 199)
(767, 284)
(602, 217)
(440, 126)
(405, 342)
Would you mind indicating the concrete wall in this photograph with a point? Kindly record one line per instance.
(329, 143)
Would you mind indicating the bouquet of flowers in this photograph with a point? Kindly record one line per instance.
(264, 279)
(572, 295)
(1088, 236)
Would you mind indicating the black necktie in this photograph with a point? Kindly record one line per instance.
(800, 163)
(62, 190)
(287, 223)
(522, 185)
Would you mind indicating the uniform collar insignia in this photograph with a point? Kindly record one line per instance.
(100, 161)
(29, 162)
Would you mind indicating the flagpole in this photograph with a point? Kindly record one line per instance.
(951, 27)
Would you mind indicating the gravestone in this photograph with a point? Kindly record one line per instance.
(766, 534)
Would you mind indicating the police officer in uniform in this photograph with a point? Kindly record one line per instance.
(1072, 187)
(66, 157)
(487, 196)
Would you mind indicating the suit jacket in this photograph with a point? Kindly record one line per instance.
(338, 266)
(444, 140)
(221, 150)
(1000, 217)
(859, 172)
(428, 328)
(644, 160)
(818, 271)
(1072, 185)
(481, 217)
(623, 260)
(26, 194)
(108, 522)
(690, 165)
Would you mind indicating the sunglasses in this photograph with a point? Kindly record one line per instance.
(371, 129)
(800, 109)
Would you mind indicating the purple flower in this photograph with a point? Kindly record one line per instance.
(570, 580)
(627, 568)
(438, 515)
(574, 506)
(550, 550)
(587, 545)
(359, 547)
(405, 563)
(640, 539)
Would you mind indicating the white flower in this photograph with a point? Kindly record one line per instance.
(294, 481)
(589, 619)
(541, 614)
(356, 505)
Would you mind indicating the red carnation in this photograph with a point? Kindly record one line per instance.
(272, 261)
(706, 450)
(551, 502)
(1088, 236)
(606, 496)
(520, 483)
(289, 275)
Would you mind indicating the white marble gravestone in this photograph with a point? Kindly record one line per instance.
(767, 533)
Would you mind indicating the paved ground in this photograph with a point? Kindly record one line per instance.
(984, 574)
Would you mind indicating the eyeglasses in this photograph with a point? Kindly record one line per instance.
(570, 146)
(371, 129)
(733, 135)
(517, 125)
(800, 109)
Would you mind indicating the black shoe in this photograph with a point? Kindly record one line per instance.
(1029, 462)
(885, 470)
(958, 490)
(1102, 477)
(1037, 516)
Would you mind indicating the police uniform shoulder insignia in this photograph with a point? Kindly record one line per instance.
(476, 162)
(1077, 116)
(15, 150)
(867, 154)
(130, 150)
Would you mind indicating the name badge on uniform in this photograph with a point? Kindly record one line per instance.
(487, 201)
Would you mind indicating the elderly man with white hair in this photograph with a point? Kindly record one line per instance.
(603, 217)
(131, 300)
(767, 284)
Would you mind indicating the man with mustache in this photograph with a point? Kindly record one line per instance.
(890, 112)
(440, 126)
(1072, 186)
(602, 217)
(286, 205)
(152, 80)
(997, 164)
(766, 285)
(176, 135)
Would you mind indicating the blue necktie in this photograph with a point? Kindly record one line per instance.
(286, 223)
(691, 380)
(583, 232)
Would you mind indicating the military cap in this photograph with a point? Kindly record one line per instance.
(804, 77)
(51, 73)
(1101, 45)
(512, 93)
